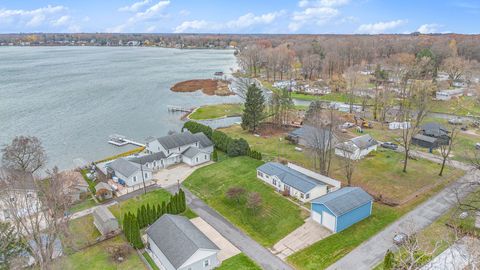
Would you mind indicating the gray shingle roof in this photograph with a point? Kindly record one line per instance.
(191, 152)
(148, 158)
(364, 141)
(421, 137)
(290, 176)
(177, 140)
(103, 214)
(178, 238)
(203, 139)
(434, 129)
(344, 200)
(125, 167)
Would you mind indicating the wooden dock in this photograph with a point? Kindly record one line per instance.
(119, 140)
(172, 108)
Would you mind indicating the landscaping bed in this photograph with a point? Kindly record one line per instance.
(275, 218)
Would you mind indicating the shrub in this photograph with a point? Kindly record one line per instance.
(195, 127)
(254, 201)
(235, 193)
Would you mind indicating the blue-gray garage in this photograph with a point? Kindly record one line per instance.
(341, 209)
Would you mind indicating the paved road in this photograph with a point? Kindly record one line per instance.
(371, 252)
(248, 246)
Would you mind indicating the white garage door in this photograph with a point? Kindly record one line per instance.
(328, 221)
(317, 217)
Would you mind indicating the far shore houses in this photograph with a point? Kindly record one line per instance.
(160, 153)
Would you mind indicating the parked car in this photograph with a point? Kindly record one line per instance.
(400, 238)
(477, 146)
(389, 145)
(347, 125)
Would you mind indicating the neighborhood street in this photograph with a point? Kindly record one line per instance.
(372, 252)
(252, 249)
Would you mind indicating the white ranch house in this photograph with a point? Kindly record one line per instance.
(298, 182)
(449, 94)
(174, 243)
(356, 148)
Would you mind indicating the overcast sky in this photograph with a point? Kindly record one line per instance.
(241, 16)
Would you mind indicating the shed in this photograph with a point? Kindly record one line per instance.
(104, 220)
(425, 141)
(103, 191)
(341, 209)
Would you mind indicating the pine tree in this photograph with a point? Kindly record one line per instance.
(254, 106)
(158, 212)
(139, 218)
(169, 208)
(215, 155)
(145, 217)
(183, 203)
(126, 226)
(164, 208)
(136, 238)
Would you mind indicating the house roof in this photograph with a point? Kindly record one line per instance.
(434, 129)
(184, 138)
(103, 185)
(125, 167)
(191, 152)
(364, 141)
(306, 130)
(344, 200)
(290, 176)
(103, 214)
(14, 179)
(424, 138)
(178, 238)
(147, 158)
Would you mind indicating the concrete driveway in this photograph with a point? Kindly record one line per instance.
(174, 174)
(302, 237)
(227, 250)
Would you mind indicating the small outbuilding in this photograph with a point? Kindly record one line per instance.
(425, 141)
(104, 220)
(341, 209)
(103, 191)
(356, 148)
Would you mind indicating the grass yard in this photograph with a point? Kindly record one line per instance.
(239, 262)
(153, 198)
(459, 106)
(87, 203)
(82, 232)
(276, 217)
(217, 111)
(97, 257)
(338, 97)
(150, 261)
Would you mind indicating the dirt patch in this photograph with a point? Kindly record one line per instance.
(208, 86)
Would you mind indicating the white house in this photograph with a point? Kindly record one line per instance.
(357, 147)
(298, 182)
(129, 173)
(174, 243)
(104, 220)
(18, 194)
(449, 94)
(399, 125)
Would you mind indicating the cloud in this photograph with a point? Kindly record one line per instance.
(134, 7)
(30, 18)
(380, 27)
(322, 3)
(240, 23)
(429, 28)
(184, 12)
(312, 15)
(61, 21)
(151, 13)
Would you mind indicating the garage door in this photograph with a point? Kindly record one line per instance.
(317, 217)
(328, 221)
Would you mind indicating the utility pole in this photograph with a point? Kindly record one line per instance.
(143, 179)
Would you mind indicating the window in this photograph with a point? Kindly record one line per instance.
(307, 196)
(154, 164)
(274, 182)
(302, 195)
(206, 263)
(12, 199)
(178, 149)
(29, 195)
(168, 151)
(196, 159)
(146, 175)
(259, 173)
(134, 179)
(205, 156)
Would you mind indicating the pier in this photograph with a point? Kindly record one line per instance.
(172, 108)
(120, 140)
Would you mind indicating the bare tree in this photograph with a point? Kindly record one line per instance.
(446, 148)
(24, 153)
(351, 77)
(455, 67)
(235, 193)
(321, 129)
(37, 208)
(254, 201)
(412, 255)
(415, 103)
(349, 163)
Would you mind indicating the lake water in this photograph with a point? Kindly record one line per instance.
(73, 98)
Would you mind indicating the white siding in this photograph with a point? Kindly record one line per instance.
(200, 158)
(129, 181)
(197, 261)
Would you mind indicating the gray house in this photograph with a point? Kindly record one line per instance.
(104, 220)
(310, 136)
(174, 243)
(129, 173)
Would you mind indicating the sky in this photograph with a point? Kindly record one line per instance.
(241, 16)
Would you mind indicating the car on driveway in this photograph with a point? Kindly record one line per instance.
(389, 145)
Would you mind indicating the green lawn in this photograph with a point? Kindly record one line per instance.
(150, 261)
(87, 203)
(153, 198)
(238, 262)
(460, 106)
(81, 233)
(217, 111)
(325, 252)
(97, 257)
(276, 217)
(338, 97)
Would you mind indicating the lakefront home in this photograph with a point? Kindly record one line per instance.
(129, 173)
(18, 194)
(174, 243)
(296, 181)
(356, 148)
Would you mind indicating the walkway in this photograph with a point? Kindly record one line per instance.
(372, 252)
(304, 236)
(252, 249)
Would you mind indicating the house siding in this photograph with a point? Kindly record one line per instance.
(348, 219)
(160, 259)
(198, 265)
(202, 158)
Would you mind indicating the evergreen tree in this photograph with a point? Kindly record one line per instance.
(158, 213)
(139, 218)
(126, 226)
(254, 106)
(215, 155)
(389, 261)
(144, 217)
(169, 208)
(136, 238)
(164, 208)
(183, 200)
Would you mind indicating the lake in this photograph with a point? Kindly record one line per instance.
(73, 98)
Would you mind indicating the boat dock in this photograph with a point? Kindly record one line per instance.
(119, 140)
(172, 108)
